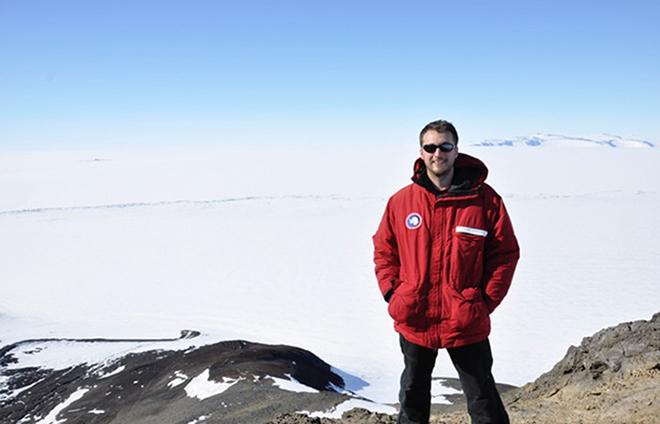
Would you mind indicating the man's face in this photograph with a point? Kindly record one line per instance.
(438, 162)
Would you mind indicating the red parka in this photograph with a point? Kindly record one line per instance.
(445, 260)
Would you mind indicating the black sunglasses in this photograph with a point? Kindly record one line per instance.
(444, 147)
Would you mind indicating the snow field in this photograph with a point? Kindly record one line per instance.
(275, 246)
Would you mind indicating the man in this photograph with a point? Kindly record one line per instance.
(445, 254)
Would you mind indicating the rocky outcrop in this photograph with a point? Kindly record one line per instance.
(613, 376)
(226, 382)
(354, 416)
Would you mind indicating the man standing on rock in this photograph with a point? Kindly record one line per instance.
(445, 254)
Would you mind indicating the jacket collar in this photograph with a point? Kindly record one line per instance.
(469, 174)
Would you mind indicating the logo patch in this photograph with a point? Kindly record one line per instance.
(413, 221)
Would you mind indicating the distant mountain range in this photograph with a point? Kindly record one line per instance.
(558, 140)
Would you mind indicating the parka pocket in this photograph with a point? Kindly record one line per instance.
(468, 308)
(408, 306)
(467, 263)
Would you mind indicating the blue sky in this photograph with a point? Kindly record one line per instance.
(96, 73)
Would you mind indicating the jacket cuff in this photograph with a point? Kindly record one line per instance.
(490, 304)
(388, 295)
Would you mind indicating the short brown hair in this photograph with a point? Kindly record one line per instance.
(440, 126)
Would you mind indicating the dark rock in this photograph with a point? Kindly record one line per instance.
(143, 393)
(360, 415)
(294, 419)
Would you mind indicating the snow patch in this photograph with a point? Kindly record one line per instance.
(202, 387)
(179, 379)
(291, 385)
(18, 391)
(62, 354)
(197, 420)
(439, 391)
(51, 418)
(113, 372)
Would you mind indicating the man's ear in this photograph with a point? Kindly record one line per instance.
(421, 152)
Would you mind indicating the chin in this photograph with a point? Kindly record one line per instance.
(439, 171)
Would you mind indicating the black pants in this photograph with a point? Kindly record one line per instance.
(473, 363)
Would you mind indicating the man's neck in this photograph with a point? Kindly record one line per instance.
(441, 182)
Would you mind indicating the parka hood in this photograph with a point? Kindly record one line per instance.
(469, 174)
